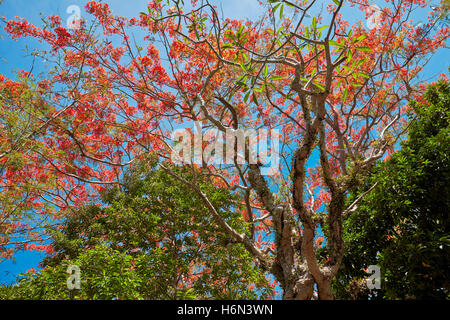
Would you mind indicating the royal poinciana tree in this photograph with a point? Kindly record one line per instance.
(119, 87)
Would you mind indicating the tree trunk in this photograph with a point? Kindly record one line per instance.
(325, 290)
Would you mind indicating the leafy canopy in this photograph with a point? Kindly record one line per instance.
(403, 224)
(151, 239)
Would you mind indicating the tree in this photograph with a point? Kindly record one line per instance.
(336, 90)
(151, 240)
(24, 187)
(402, 225)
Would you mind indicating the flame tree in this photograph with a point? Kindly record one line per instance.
(336, 90)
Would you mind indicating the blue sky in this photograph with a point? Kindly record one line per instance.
(13, 57)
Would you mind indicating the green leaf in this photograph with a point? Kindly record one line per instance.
(361, 38)
(349, 55)
(255, 99)
(360, 62)
(362, 74)
(227, 46)
(247, 95)
(336, 44)
(241, 83)
(241, 29)
(344, 95)
(318, 85)
(274, 9)
(230, 36)
(364, 49)
(289, 4)
(323, 27)
(276, 78)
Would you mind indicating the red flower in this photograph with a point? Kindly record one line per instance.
(31, 271)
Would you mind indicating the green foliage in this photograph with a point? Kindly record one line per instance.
(151, 239)
(403, 225)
